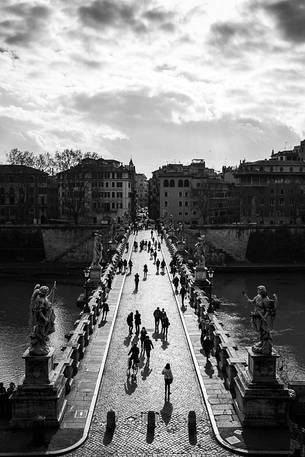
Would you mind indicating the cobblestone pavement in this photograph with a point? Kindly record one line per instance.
(131, 400)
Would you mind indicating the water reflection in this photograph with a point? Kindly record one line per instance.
(288, 334)
(15, 325)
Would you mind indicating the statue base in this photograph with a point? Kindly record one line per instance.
(95, 275)
(261, 399)
(42, 393)
(200, 276)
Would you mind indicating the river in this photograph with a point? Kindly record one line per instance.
(288, 333)
(14, 319)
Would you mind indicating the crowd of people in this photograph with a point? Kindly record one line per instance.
(5, 399)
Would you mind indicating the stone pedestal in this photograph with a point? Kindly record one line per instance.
(42, 393)
(261, 399)
(200, 276)
(95, 275)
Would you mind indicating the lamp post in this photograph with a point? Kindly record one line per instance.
(86, 308)
(210, 275)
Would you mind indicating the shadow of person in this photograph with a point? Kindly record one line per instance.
(141, 359)
(183, 308)
(130, 385)
(127, 340)
(101, 324)
(135, 291)
(135, 338)
(209, 369)
(156, 336)
(165, 344)
(166, 412)
(144, 279)
(146, 372)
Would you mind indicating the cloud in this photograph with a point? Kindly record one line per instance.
(106, 13)
(290, 17)
(26, 24)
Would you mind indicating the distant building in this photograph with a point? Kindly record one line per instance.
(95, 190)
(141, 190)
(27, 195)
(192, 194)
(273, 191)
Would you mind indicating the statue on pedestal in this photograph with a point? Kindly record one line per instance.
(262, 319)
(199, 254)
(43, 318)
(97, 250)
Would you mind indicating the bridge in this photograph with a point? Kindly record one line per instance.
(109, 413)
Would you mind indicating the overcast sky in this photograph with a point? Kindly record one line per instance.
(159, 81)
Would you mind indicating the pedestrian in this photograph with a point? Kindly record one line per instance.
(151, 233)
(183, 294)
(109, 282)
(207, 345)
(148, 345)
(174, 270)
(156, 244)
(143, 334)
(168, 379)
(105, 309)
(163, 266)
(135, 246)
(141, 245)
(130, 264)
(127, 246)
(176, 283)
(136, 281)
(120, 265)
(162, 316)
(134, 355)
(137, 321)
(155, 256)
(130, 322)
(151, 253)
(145, 270)
(182, 280)
(159, 246)
(158, 265)
(157, 315)
(148, 246)
(125, 265)
(166, 324)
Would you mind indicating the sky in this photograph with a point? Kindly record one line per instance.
(162, 81)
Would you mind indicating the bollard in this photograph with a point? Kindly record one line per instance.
(38, 430)
(110, 420)
(151, 420)
(192, 422)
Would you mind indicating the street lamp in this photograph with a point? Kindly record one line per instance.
(210, 275)
(86, 308)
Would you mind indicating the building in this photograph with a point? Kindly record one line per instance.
(27, 195)
(96, 190)
(192, 194)
(272, 191)
(141, 190)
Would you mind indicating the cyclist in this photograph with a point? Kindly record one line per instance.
(134, 357)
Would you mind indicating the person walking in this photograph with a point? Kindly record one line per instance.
(127, 246)
(168, 379)
(159, 246)
(151, 234)
(155, 256)
(183, 294)
(143, 334)
(105, 309)
(120, 265)
(145, 270)
(134, 356)
(207, 345)
(130, 264)
(109, 282)
(148, 346)
(137, 321)
(162, 266)
(125, 265)
(166, 324)
(176, 283)
(157, 315)
(130, 322)
(136, 281)
(158, 265)
(148, 246)
(162, 316)
(151, 253)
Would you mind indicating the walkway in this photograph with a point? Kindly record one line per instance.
(132, 401)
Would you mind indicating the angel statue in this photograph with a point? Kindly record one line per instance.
(43, 318)
(97, 250)
(262, 319)
(199, 254)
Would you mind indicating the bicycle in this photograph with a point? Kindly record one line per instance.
(134, 366)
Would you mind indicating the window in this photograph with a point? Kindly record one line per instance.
(119, 184)
(180, 214)
(186, 214)
(180, 203)
(180, 194)
(186, 194)
(186, 203)
(172, 183)
(165, 194)
(291, 169)
(113, 184)
(165, 183)
(281, 169)
(281, 201)
(107, 184)
(165, 204)
(113, 194)
(113, 205)
(282, 191)
(186, 183)
(180, 183)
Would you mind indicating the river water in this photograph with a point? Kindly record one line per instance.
(288, 334)
(14, 320)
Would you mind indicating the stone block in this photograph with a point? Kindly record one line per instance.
(262, 368)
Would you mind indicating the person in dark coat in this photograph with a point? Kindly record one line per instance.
(130, 264)
(176, 283)
(137, 321)
(105, 309)
(130, 322)
(136, 281)
(162, 265)
(142, 337)
(207, 345)
(166, 324)
(148, 345)
(134, 355)
(145, 270)
(157, 316)
(162, 316)
(125, 265)
(157, 265)
(183, 294)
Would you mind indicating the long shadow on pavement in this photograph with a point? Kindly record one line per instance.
(166, 412)
(130, 385)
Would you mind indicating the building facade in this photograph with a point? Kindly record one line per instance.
(98, 190)
(141, 190)
(27, 195)
(272, 191)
